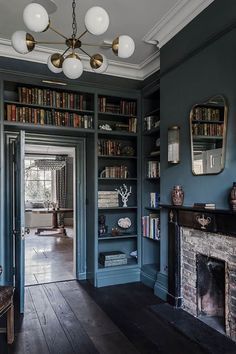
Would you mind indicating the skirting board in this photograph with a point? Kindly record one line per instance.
(147, 279)
(161, 286)
(118, 276)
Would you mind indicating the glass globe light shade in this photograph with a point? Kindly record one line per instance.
(72, 66)
(96, 20)
(99, 63)
(123, 46)
(22, 42)
(36, 17)
(55, 62)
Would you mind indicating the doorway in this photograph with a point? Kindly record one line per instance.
(18, 147)
(49, 213)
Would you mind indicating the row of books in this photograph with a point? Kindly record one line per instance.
(58, 99)
(122, 107)
(206, 113)
(41, 116)
(151, 226)
(153, 169)
(208, 129)
(115, 172)
(154, 199)
(112, 258)
(108, 199)
(109, 147)
(130, 127)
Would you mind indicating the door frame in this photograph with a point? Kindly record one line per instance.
(79, 214)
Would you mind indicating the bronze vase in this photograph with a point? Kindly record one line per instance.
(177, 195)
(232, 197)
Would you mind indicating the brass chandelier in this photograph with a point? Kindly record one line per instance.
(96, 21)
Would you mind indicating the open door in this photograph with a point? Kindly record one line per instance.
(19, 216)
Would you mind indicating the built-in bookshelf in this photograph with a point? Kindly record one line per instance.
(46, 106)
(151, 174)
(117, 156)
(117, 114)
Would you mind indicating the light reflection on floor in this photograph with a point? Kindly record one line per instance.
(48, 258)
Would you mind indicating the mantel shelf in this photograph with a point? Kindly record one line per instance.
(197, 209)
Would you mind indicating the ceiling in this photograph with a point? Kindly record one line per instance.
(148, 22)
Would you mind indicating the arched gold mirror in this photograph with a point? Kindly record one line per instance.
(208, 126)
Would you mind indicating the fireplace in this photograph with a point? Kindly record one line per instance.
(211, 291)
(202, 265)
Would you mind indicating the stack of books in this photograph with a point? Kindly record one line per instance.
(151, 226)
(108, 199)
(204, 205)
(112, 258)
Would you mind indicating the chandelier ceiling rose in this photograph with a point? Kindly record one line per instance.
(96, 21)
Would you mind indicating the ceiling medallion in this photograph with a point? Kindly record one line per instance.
(96, 21)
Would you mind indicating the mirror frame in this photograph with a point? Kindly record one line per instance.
(223, 136)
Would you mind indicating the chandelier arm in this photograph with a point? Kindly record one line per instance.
(82, 34)
(97, 45)
(82, 50)
(48, 42)
(65, 51)
(56, 31)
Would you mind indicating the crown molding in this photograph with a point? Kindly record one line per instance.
(115, 68)
(175, 20)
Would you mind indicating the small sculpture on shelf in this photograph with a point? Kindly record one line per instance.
(124, 193)
(102, 227)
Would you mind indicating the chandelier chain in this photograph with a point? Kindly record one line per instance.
(74, 23)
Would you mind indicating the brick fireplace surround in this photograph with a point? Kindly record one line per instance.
(211, 233)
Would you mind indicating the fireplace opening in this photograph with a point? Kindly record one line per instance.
(211, 291)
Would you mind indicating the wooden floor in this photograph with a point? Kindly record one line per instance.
(48, 258)
(71, 317)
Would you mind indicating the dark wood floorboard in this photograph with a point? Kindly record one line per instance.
(74, 317)
(55, 336)
(78, 338)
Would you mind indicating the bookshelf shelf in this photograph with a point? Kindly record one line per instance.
(117, 157)
(132, 262)
(111, 114)
(110, 237)
(119, 208)
(154, 179)
(116, 133)
(152, 131)
(152, 209)
(151, 239)
(46, 127)
(117, 179)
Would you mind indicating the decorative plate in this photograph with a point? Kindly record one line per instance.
(124, 223)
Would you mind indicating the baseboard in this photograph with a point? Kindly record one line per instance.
(161, 286)
(118, 276)
(147, 279)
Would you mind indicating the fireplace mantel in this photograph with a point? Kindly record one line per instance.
(212, 220)
(215, 221)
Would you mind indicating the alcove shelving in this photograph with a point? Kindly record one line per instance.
(150, 184)
(117, 160)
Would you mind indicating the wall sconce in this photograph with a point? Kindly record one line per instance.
(173, 144)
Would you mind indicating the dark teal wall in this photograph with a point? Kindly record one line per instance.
(197, 64)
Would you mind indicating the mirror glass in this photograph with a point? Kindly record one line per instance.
(208, 123)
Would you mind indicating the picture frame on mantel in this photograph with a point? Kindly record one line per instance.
(173, 144)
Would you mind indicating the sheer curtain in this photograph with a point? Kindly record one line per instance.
(61, 186)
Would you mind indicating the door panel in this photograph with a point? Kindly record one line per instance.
(19, 195)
